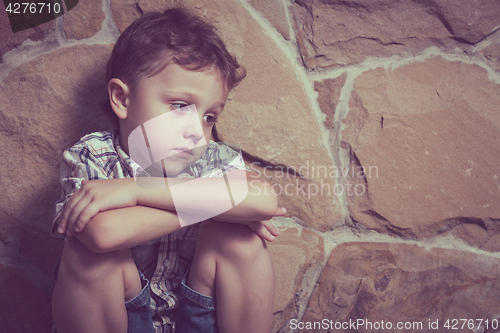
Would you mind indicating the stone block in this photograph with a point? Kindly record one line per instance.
(329, 96)
(10, 40)
(46, 105)
(84, 20)
(429, 135)
(294, 252)
(334, 33)
(401, 283)
(274, 12)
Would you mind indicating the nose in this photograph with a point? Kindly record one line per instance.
(193, 128)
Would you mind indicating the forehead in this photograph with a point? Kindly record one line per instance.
(175, 78)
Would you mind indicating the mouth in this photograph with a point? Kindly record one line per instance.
(183, 152)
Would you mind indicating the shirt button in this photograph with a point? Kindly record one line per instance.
(166, 263)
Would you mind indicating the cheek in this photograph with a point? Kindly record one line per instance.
(208, 134)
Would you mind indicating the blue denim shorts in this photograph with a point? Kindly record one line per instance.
(196, 313)
(138, 312)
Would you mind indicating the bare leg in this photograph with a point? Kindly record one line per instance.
(232, 263)
(92, 288)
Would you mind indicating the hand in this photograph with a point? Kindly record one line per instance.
(95, 196)
(265, 229)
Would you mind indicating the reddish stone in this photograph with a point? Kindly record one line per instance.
(428, 137)
(10, 40)
(399, 283)
(84, 20)
(337, 33)
(329, 96)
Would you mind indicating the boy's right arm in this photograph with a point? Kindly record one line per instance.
(120, 222)
(111, 195)
(127, 227)
(123, 228)
(111, 229)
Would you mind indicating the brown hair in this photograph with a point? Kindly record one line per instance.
(152, 41)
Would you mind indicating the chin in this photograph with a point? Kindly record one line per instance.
(175, 168)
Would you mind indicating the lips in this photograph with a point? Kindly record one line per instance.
(183, 152)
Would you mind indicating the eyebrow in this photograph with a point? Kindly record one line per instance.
(193, 97)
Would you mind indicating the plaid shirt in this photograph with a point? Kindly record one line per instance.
(163, 261)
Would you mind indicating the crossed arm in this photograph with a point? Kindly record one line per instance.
(108, 215)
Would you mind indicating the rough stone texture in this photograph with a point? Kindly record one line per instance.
(271, 108)
(313, 199)
(84, 20)
(9, 40)
(492, 53)
(274, 12)
(471, 21)
(338, 33)
(490, 49)
(480, 233)
(46, 105)
(329, 96)
(293, 252)
(66, 86)
(405, 283)
(126, 11)
(435, 145)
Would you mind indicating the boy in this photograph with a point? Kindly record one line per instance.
(127, 249)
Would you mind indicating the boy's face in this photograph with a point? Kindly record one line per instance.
(177, 109)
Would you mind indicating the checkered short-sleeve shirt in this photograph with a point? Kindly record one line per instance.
(163, 261)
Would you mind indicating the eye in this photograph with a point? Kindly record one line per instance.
(210, 119)
(178, 106)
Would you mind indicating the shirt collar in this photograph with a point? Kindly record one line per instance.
(134, 168)
(125, 160)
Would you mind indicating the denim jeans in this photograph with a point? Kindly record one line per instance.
(196, 312)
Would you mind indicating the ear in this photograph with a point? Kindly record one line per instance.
(119, 94)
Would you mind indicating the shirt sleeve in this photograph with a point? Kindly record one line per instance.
(222, 158)
(78, 163)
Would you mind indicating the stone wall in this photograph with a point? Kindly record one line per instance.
(378, 121)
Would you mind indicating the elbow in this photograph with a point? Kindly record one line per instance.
(100, 245)
(97, 236)
(269, 202)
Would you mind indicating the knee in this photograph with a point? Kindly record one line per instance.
(79, 263)
(238, 242)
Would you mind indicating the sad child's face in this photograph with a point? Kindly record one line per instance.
(173, 113)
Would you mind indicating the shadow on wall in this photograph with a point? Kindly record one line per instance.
(68, 86)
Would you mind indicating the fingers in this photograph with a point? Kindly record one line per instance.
(280, 211)
(79, 209)
(265, 230)
(72, 211)
(261, 231)
(84, 217)
(65, 215)
(270, 228)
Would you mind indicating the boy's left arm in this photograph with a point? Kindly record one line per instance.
(240, 196)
